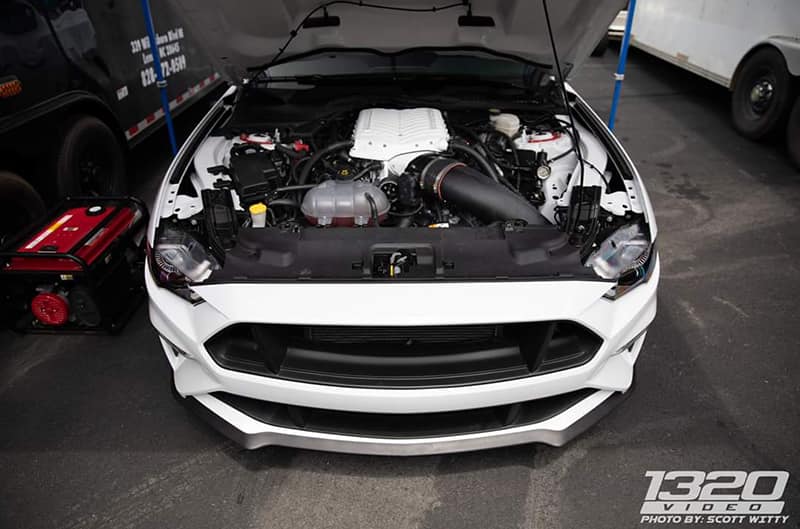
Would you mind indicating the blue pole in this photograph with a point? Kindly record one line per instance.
(161, 83)
(623, 58)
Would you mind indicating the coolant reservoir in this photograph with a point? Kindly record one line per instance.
(507, 124)
(344, 203)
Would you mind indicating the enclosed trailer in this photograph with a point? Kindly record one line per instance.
(750, 47)
(77, 89)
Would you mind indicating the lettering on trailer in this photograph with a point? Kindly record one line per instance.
(169, 49)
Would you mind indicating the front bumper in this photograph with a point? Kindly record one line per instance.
(622, 324)
(555, 431)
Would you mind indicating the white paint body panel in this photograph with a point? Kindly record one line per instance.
(710, 37)
(639, 196)
(189, 326)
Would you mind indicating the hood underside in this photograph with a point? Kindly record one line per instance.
(242, 34)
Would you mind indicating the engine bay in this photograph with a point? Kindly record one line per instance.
(395, 191)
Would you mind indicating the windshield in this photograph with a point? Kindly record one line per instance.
(472, 64)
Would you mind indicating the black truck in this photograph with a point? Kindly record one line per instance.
(78, 89)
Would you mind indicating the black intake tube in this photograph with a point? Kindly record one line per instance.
(490, 201)
(478, 157)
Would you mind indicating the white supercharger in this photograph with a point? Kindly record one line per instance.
(396, 137)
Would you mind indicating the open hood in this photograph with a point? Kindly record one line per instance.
(242, 34)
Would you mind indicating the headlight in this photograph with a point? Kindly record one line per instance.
(624, 256)
(179, 259)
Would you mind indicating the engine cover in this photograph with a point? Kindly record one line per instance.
(398, 136)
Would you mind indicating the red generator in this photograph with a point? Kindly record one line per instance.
(81, 271)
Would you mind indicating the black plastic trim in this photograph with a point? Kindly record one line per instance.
(403, 357)
(343, 254)
(333, 49)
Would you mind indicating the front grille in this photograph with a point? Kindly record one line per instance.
(432, 334)
(404, 426)
(403, 356)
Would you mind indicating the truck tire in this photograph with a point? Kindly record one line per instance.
(20, 205)
(793, 134)
(90, 160)
(762, 94)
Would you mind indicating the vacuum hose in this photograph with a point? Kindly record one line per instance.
(333, 147)
(478, 157)
(455, 182)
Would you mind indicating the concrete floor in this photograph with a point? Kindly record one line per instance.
(90, 435)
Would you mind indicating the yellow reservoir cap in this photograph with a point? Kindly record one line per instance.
(258, 208)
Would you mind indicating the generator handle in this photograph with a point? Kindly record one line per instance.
(6, 256)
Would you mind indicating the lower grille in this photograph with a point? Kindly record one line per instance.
(403, 356)
(402, 335)
(404, 426)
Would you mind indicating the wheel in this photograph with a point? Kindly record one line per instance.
(601, 47)
(20, 205)
(761, 94)
(793, 134)
(90, 160)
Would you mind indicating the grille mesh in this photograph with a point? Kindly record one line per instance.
(402, 335)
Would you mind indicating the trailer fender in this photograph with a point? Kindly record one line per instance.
(790, 48)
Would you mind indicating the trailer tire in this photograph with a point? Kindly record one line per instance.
(793, 134)
(761, 94)
(90, 160)
(20, 205)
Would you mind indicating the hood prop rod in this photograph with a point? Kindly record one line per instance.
(571, 224)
